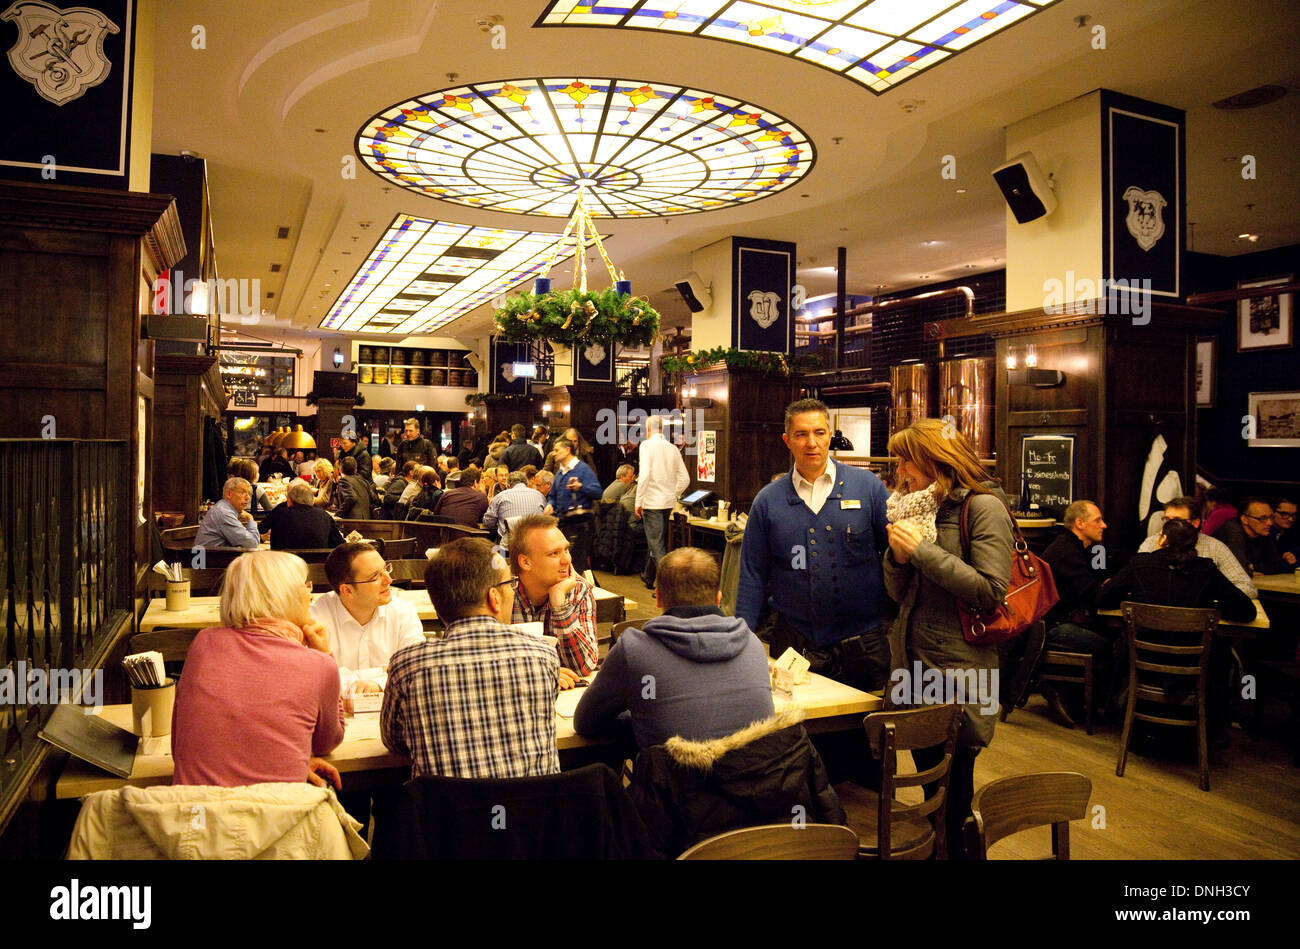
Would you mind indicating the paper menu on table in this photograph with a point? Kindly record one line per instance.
(567, 704)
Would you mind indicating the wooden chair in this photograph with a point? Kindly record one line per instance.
(1073, 660)
(617, 629)
(206, 582)
(409, 573)
(395, 549)
(174, 644)
(1006, 806)
(375, 529)
(906, 831)
(1149, 679)
(778, 842)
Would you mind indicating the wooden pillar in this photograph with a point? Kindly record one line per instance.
(187, 390)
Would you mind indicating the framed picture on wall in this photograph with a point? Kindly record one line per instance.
(1206, 366)
(1264, 322)
(1277, 419)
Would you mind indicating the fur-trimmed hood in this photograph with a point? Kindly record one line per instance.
(704, 754)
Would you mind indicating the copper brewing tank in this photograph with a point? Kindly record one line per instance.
(966, 393)
(910, 385)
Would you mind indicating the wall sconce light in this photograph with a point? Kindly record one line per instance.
(1031, 357)
(1011, 357)
(419, 408)
(338, 357)
(546, 408)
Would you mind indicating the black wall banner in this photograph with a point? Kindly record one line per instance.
(762, 273)
(66, 86)
(1143, 186)
(594, 362)
(502, 370)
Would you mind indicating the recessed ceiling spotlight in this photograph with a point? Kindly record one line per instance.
(961, 190)
(928, 243)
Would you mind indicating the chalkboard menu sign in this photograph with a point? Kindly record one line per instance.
(1047, 473)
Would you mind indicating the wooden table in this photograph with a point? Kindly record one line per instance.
(1285, 583)
(830, 706)
(1226, 627)
(205, 611)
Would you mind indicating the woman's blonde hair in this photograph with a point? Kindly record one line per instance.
(263, 583)
(323, 468)
(942, 453)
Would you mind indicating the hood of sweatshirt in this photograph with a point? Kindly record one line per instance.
(707, 638)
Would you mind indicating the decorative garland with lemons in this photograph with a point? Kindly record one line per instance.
(573, 317)
(738, 359)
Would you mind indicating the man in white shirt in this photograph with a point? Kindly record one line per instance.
(365, 623)
(661, 479)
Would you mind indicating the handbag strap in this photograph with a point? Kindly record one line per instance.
(1019, 540)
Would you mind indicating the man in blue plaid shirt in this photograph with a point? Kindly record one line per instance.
(479, 703)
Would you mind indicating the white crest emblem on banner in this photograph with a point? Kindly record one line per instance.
(60, 52)
(508, 371)
(764, 308)
(595, 353)
(1146, 221)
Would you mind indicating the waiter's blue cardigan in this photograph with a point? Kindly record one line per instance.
(822, 571)
(562, 499)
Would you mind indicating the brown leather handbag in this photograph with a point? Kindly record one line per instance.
(1031, 593)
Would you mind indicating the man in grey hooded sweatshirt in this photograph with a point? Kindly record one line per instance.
(693, 671)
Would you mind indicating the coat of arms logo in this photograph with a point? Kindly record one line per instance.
(60, 52)
(764, 308)
(595, 353)
(508, 371)
(1145, 219)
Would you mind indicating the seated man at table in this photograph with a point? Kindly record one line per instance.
(1078, 565)
(693, 672)
(1285, 532)
(549, 591)
(228, 523)
(299, 524)
(480, 702)
(1189, 509)
(624, 479)
(1247, 536)
(518, 500)
(365, 623)
(465, 503)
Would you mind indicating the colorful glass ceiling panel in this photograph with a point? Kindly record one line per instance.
(423, 274)
(877, 43)
(641, 149)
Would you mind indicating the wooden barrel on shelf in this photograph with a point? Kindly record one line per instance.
(398, 357)
(397, 375)
(438, 357)
(419, 357)
(453, 377)
(416, 375)
(469, 379)
(380, 354)
(365, 374)
(381, 375)
(365, 354)
(437, 377)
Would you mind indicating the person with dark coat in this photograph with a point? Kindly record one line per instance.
(519, 453)
(352, 491)
(687, 791)
(278, 463)
(394, 489)
(927, 577)
(298, 524)
(415, 447)
(1247, 536)
(349, 447)
(427, 497)
(465, 503)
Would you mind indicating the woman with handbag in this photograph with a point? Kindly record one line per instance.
(927, 572)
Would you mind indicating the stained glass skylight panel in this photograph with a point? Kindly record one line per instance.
(423, 274)
(878, 43)
(638, 148)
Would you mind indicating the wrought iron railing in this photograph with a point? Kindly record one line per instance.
(64, 580)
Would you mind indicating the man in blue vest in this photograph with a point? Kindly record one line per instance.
(810, 570)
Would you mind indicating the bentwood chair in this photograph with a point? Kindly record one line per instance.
(1010, 805)
(890, 829)
(1159, 631)
(778, 842)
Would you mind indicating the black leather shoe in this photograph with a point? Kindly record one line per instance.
(1057, 708)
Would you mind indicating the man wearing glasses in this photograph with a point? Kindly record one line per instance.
(1285, 534)
(1248, 539)
(365, 623)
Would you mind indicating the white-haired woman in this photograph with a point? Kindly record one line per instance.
(259, 698)
(324, 474)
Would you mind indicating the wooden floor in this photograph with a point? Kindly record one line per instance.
(1156, 811)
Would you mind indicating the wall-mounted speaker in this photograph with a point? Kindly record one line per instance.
(695, 293)
(1028, 192)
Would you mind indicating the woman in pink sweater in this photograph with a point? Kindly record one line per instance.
(259, 696)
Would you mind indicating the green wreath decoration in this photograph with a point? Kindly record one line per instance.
(572, 317)
(495, 398)
(739, 359)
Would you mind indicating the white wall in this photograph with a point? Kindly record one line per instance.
(712, 326)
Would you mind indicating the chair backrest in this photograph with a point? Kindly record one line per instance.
(174, 644)
(617, 629)
(205, 582)
(179, 537)
(1010, 805)
(409, 573)
(778, 842)
(1140, 619)
(891, 732)
(314, 555)
(372, 528)
(395, 549)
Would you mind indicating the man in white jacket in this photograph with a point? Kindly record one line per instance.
(661, 479)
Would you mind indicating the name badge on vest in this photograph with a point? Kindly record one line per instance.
(850, 505)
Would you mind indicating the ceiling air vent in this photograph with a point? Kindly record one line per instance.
(1251, 98)
(282, 234)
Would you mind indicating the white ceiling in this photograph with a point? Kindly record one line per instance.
(275, 101)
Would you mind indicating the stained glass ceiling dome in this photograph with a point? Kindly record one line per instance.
(640, 149)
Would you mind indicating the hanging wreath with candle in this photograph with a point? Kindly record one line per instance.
(578, 315)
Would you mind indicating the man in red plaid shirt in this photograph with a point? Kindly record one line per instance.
(548, 591)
